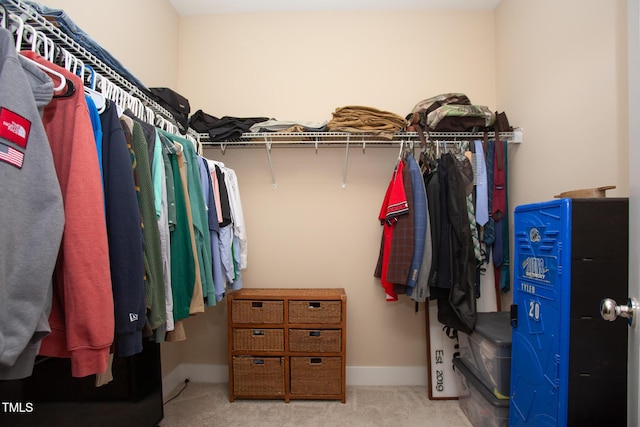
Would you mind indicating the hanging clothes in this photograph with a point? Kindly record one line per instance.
(482, 207)
(199, 215)
(214, 229)
(232, 230)
(226, 227)
(124, 228)
(197, 299)
(502, 268)
(443, 274)
(432, 184)
(159, 170)
(402, 243)
(94, 115)
(183, 272)
(421, 290)
(32, 220)
(134, 227)
(458, 309)
(394, 207)
(152, 254)
(420, 222)
(237, 217)
(82, 312)
(449, 256)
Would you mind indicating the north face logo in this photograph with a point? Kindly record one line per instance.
(15, 128)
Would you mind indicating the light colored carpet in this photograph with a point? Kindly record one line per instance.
(399, 406)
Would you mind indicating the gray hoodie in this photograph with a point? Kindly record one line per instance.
(31, 211)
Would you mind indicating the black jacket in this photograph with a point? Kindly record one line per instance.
(459, 309)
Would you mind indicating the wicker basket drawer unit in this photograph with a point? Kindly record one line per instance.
(287, 343)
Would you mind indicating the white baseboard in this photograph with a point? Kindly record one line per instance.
(386, 375)
(356, 375)
(201, 373)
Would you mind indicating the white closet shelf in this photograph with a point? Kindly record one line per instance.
(316, 139)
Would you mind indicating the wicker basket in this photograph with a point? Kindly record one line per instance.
(317, 341)
(258, 376)
(258, 339)
(251, 311)
(315, 312)
(316, 375)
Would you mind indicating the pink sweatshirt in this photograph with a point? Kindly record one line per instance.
(82, 315)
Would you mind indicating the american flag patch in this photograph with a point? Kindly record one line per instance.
(11, 156)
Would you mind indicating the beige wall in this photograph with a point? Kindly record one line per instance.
(301, 66)
(141, 34)
(561, 76)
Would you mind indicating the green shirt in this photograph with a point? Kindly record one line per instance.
(154, 275)
(199, 215)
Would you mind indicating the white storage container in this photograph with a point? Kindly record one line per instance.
(487, 352)
(480, 406)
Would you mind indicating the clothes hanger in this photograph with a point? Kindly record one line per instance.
(97, 97)
(117, 97)
(410, 150)
(49, 48)
(150, 116)
(5, 16)
(108, 90)
(77, 67)
(137, 107)
(196, 144)
(170, 127)
(401, 150)
(19, 34)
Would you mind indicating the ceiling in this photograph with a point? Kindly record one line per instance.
(208, 7)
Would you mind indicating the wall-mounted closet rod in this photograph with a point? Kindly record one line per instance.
(336, 139)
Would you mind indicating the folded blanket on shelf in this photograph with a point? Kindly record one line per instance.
(362, 119)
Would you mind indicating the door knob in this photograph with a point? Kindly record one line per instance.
(610, 310)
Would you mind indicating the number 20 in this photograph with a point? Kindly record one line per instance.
(534, 310)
